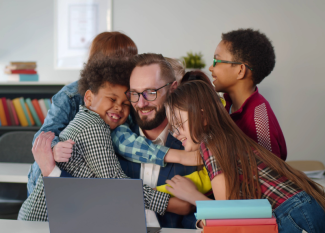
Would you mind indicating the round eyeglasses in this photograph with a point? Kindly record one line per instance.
(149, 94)
(174, 129)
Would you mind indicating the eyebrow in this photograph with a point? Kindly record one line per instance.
(149, 88)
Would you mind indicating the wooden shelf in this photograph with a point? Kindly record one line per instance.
(6, 129)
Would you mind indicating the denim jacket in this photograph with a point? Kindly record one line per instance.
(64, 107)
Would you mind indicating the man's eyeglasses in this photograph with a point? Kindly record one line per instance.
(174, 130)
(215, 61)
(149, 95)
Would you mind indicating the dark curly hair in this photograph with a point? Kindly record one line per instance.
(102, 69)
(252, 48)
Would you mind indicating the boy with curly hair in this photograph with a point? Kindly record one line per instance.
(103, 84)
(242, 60)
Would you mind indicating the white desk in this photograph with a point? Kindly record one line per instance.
(14, 172)
(15, 226)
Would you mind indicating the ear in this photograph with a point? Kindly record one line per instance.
(173, 86)
(204, 121)
(88, 98)
(241, 72)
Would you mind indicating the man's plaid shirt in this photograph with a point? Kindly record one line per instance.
(274, 187)
(93, 156)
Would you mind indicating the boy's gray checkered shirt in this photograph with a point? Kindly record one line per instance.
(93, 156)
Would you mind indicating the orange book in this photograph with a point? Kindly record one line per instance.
(38, 110)
(3, 115)
(20, 112)
(29, 115)
(242, 229)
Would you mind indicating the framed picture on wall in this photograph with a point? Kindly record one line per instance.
(77, 23)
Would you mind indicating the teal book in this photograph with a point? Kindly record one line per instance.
(33, 112)
(28, 77)
(22, 103)
(230, 209)
(47, 103)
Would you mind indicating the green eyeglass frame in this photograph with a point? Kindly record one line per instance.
(215, 61)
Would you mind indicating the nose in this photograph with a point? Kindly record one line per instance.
(211, 68)
(142, 102)
(118, 107)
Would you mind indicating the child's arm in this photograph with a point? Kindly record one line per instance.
(200, 178)
(139, 149)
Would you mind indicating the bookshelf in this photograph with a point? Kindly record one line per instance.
(33, 90)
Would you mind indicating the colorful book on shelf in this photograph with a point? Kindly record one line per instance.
(230, 209)
(22, 65)
(14, 112)
(33, 112)
(20, 112)
(8, 71)
(11, 115)
(240, 221)
(38, 110)
(23, 77)
(3, 115)
(6, 110)
(273, 228)
(47, 105)
(29, 114)
(22, 103)
(43, 107)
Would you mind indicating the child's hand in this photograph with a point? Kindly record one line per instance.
(62, 151)
(182, 187)
(43, 154)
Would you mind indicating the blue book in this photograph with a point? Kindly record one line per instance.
(230, 209)
(28, 77)
(22, 103)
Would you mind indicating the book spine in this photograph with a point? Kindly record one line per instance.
(29, 114)
(23, 72)
(43, 107)
(238, 222)
(243, 229)
(3, 115)
(5, 107)
(30, 63)
(33, 112)
(14, 112)
(28, 77)
(22, 103)
(38, 110)
(11, 115)
(20, 112)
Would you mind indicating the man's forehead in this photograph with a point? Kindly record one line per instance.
(144, 77)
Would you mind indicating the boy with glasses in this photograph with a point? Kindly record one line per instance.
(242, 60)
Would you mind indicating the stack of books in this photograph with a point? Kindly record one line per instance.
(23, 112)
(21, 72)
(240, 216)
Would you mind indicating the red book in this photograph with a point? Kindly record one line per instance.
(12, 119)
(38, 110)
(242, 229)
(5, 108)
(240, 222)
(14, 113)
(23, 71)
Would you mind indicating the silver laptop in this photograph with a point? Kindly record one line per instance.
(84, 205)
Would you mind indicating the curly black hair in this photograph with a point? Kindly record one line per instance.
(252, 48)
(102, 69)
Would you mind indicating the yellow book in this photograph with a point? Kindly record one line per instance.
(3, 118)
(20, 112)
(29, 114)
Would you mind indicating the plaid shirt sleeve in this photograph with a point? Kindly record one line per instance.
(136, 148)
(210, 162)
(97, 150)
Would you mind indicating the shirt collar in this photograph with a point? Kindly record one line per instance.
(247, 101)
(83, 108)
(162, 136)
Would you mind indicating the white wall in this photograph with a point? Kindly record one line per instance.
(295, 89)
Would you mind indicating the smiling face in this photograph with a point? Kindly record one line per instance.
(182, 128)
(149, 114)
(224, 75)
(110, 103)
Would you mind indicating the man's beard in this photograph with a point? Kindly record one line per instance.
(146, 124)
